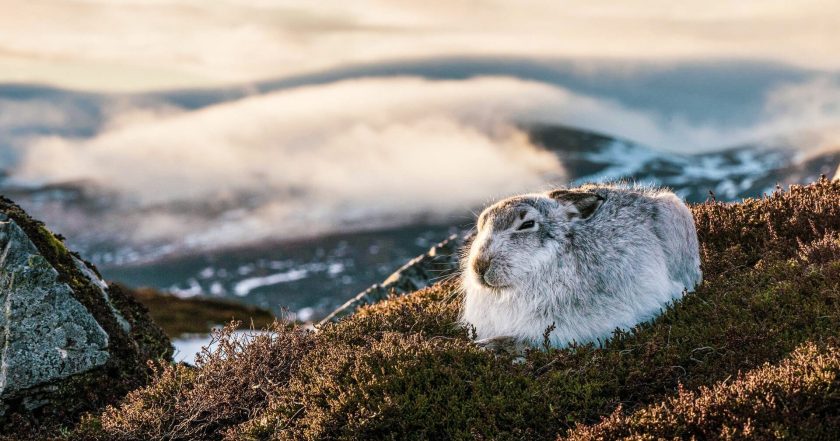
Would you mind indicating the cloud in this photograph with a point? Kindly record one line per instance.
(806, 115)
(150, 44)
(351, 155)
(357, 154)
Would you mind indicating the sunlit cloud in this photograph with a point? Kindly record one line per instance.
(146, 44)
(352, 155)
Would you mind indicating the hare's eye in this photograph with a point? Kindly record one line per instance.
(526, 225)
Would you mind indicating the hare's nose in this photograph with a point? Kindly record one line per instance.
(481, 265)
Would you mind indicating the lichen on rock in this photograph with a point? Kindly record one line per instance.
(69, 342)
(46, 333)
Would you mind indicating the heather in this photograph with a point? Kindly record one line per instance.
(761, 331)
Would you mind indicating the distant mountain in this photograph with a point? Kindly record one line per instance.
(313, 276)
(731, 174)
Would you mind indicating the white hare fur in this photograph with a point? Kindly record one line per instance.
(585, 260)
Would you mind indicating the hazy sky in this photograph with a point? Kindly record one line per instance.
(439, 103)
(135, 45)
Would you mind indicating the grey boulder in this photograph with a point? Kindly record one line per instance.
(46, 333)
(69, 342)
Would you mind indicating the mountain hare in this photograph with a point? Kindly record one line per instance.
(585, 261)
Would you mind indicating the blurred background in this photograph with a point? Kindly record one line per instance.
(291, 153)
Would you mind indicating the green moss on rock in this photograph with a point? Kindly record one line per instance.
(61, 402)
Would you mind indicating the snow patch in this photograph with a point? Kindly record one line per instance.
(244, 287)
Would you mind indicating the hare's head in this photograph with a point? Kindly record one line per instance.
(521, 236)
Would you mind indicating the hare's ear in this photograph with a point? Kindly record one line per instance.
(579, 204)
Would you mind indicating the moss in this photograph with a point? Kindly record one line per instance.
(126, 367)
(55, 245)
(403, 369)
(152, 340)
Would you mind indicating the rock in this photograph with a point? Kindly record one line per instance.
(69, 342)
(439, 262)
(47, 333)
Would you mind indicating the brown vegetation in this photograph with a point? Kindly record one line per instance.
(761, 332)
(795, 399)
(228, 386)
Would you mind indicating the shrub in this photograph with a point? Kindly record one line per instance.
(229, 385)
(736, 235)
(403, 369)
(368, 388)
(795, 399)
(399, 385)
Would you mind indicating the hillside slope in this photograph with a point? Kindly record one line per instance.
(314, 275)
(752, 353)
